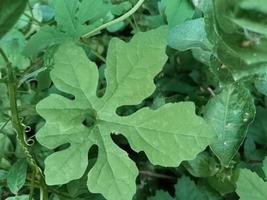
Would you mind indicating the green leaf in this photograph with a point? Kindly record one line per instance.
(4, 103)
(224, 181)
(177, 11)
(72, 15)
(47, 36)
(237, 37)
(202, 166)
(12, 44)
(251, 186)
(188, 35)
(261, 83)
(230, 113)
(257, 134)
(10, 11)
(209, 192)
(242, 61)
(187, 189)
(74, 18)
(17, 176)
(20, 197)
(6, 146)
(264, 168)
(89, 120)
(3, 174)
(256, 5)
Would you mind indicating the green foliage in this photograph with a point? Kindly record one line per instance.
(187, 189)
(230, 119)
(249, 181)
(177, 11)
(133, 99)
(16, 176)
(141, 63)
(189, 35)
(10, 11)
(71, 17)
(22, 197)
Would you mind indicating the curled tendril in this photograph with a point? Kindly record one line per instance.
(30, 141)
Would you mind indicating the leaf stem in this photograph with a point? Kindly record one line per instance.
(12, 89)
(115, 21)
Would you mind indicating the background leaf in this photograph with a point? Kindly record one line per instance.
(188, 35)
(17, 176)
(10, 11)
(229, 113)
(249, 181)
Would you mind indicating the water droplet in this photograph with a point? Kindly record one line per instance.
(225, 144)
(228, 125)
(235, 112)
(245, 119)
(196, 2)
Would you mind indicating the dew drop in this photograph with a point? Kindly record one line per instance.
(196, 2)
(228, 125)
(235, 112)
(245, 119)
(225, 144)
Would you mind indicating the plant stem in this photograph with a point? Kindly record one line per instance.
(12, 88)
(115, 21)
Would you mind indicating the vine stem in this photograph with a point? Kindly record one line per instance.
(115, 21)
(12, 89)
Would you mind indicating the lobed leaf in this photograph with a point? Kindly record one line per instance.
(89, 120)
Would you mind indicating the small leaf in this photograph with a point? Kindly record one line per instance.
(230, 113)
(45, 37)
(264, 168)
(12, 44)
(177, 11)
(6, 146)
(21, 197)
(261, 83)
(202, 166)
(187, 189)
(74, 18)
(17, 176)
(10, 11)
(72, 15)
(188, 35)
(224, 181)
(256, 5)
